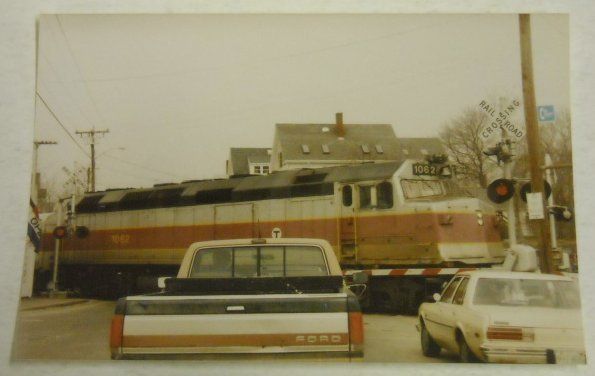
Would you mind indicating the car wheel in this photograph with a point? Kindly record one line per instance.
(466, 355)
(428, 346)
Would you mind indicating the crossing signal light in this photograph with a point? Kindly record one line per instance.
(526, 188)
(59, 232)
(81, 232)
(500, 190)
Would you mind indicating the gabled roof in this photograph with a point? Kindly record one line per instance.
(415, 147)
(239, 158)
(347, 146)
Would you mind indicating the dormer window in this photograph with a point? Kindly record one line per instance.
(325, 149)
(365, 149)
(305, 149)
(379, 149)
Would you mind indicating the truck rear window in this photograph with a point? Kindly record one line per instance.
(259, 261)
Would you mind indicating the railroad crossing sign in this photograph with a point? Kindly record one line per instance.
(276, 233)
(546, 113)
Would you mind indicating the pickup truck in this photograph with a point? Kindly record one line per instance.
(247, 296)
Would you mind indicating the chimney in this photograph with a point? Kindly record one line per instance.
(340, 125)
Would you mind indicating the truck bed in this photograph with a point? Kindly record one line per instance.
(257, 285)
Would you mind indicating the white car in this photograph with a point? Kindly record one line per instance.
(505, 317)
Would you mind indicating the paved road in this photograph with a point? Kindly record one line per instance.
(81, 332)
(395, 339)
(78, 332)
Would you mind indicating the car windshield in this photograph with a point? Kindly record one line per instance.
(526, 292)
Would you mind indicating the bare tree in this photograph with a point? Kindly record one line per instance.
(77, 181)
(555, 141)
(462, 138)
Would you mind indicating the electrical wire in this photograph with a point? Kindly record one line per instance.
(80, 73)
(62, 125)
(144, 167)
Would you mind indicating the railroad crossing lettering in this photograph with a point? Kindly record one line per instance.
(501, 120)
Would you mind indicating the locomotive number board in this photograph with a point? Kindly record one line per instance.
(424, 169)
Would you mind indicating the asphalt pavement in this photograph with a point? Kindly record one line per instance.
(78, 329)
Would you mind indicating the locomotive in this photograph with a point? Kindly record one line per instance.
(407, 224)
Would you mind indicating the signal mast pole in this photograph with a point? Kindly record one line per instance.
(533, 141)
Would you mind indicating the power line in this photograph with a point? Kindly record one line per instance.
(80, 73)
(62, 125)
(144, 167)
(57, 74)
(259, 63)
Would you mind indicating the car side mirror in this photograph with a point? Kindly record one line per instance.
(161, 282)
(436, 297)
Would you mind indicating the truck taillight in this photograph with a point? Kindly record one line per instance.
(509, 333)
(116, 332)
(356, 331)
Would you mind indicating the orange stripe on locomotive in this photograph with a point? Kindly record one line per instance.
(432, 232)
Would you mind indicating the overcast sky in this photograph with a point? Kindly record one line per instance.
(177, 91)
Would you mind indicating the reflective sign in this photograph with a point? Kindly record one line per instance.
(535, 205)
(546, 113)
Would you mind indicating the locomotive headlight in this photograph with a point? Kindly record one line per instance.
(479, 218)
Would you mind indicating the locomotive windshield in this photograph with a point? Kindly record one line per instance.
(430, 189)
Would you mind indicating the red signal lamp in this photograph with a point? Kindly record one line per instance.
(500, 190)
(60, 232)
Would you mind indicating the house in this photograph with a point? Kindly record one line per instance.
(323, 145)
(248, 161)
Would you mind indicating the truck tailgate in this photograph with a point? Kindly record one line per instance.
(239, 324)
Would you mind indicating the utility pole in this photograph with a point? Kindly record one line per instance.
(36, 179)
(533, 141)
(91, 135)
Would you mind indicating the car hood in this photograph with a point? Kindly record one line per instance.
(535, 317)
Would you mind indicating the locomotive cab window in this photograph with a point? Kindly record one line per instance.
(365, 197)
(378, 196)
(384, 193)
(423, 189)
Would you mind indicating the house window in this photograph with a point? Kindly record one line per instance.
(257, 169)
(265, 169)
